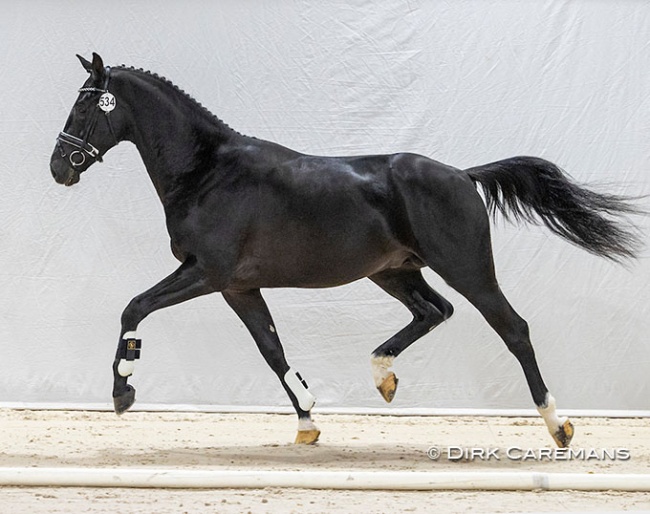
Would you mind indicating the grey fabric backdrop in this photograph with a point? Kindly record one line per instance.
(464, 82)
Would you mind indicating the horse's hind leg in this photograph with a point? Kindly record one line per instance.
(451, 228)
(252, 310)
(491, 302)
(185, 283)
(471, 273)
(428, 308)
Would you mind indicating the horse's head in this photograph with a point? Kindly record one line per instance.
(89, 131)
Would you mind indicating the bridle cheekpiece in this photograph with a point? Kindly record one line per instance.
(106, 104)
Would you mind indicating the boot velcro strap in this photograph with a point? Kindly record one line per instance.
(130, 349)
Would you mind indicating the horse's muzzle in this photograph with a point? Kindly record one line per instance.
(63, 173)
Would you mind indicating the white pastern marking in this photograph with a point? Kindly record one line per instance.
(129, 335)
(306, 424)
(125, 368)
(553, 422)
(380, 367)
(306, 400)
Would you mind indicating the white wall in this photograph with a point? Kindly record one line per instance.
(465, 82)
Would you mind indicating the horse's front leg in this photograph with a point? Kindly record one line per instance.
(252, 310)
(187, 282)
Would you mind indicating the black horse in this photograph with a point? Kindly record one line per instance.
(245, 214)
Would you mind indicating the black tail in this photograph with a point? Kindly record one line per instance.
(533, 189)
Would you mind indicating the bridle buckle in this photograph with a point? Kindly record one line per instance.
(81, 145)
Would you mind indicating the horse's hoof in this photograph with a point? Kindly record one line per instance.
(307, 436)
(564, 434)
(124, 401)
(388, 387)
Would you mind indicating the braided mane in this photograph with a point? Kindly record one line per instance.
(189, 97)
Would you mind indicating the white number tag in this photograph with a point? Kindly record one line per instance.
(106, 102)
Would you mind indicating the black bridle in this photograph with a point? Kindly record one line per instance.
(78, 157)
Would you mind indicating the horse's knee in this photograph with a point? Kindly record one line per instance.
(445, 308)
(134, 313)
(271, 350)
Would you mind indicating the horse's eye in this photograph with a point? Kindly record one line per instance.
(82, 108)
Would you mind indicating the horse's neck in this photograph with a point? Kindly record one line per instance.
(173, 136)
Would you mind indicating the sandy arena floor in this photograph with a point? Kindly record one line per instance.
(264, 441)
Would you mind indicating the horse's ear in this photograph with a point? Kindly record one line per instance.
(97, 69)
(88, 66)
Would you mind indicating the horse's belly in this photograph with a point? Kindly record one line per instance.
(318, 269)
